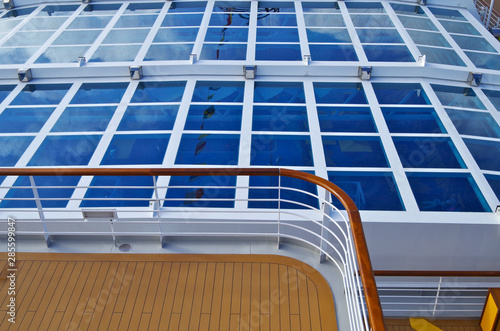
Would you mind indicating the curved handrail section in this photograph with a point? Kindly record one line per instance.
(375, 314)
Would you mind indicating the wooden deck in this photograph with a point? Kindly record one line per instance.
(165, 292)
(445, 325)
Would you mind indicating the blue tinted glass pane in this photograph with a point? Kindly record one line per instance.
(12, 149)
(278, 150)
(379, 36)
(214, 117)
(43, 193)
(229, 20)
(31, 38)
(278, 52)
(368, 190)
(277, 35)
(159, 92)
(333, 53)
(100, 93)
(135, 21)
(408, 9)
(114, 196)
(400, 93)
(447, 13)
(261, 187)
(279, 92)
(428, 38)
(457, 96)
(277, 20)
(322, 35)
(77, 37)
(279, 118)
(274, 7)
(100, 9)
(231, 6)
(428, 153)
(182, 20)
(459, 27)
(218, 92)
(8, 25)
(62, 54)
(14, 120)
(346, 119)
(202, 191)
(5, 91)
(381, 21)
(473, 43)
(169, 52)
(148, 118)
(89, 22)
(125, 36)
(44, 23)
(19, 12)
(321, 7)
(417, 23)
(474, 123)
(413, 120)
(494, 182)
(494, 97)
(441, 56)
(446, 192)
(388, 53)
(187, 7)
(354, 152)
(346, 93)
(324, 20)
(136, 149)
(16, 55)
(84, 119)
(226, 34)
(486, 61)
(33, 94)
(486, 153)
(176, 34)
(115, 53)
(217, 149)
(223, 52)
(144, 8)
(365, 7)
(65, 150)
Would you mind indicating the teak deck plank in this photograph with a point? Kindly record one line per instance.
(159, 292)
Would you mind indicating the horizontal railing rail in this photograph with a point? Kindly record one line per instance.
(313, 225)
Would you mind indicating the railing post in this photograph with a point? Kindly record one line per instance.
(40, 211)
(324, 210)
(279, 210)
(156, 208)
(437, 297)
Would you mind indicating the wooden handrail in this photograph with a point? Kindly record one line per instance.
(375, 314)
(435, 273)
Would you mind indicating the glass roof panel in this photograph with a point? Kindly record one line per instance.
(136, 149)
(17, 120)
(428, 152)
(354, 152)
(343, 93)
(12, 149)
(150, 117)
(457, 96)
(474, 123)
(65, 151)
(281, 150)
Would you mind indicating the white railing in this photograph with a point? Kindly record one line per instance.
(489, 17)
(320, 225)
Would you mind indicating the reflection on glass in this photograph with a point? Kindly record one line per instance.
(223, 52)
(159, 92)
(16, 120)
(324, 20)
(279, 92)
(441, 56)
(53, 192)
(135, 21)
(12, 149)
(277, 20)
(428, 153)
(323, 35)
(44, 23)
(182, 20)
(79, 119)
(62, 54)
(187, 7)
(32, 38)
(486, 61)
(231, 6)
(346, 119)
(473, 43)
(320, 7)
(369, 190)
(494, 182)
(354, 152)
(201, 191)
(450, 14)
(455, 96)
(141, 188)
(176, 35)
(169, 52)
(333, 53)
(65, 151)
(417, 23)
(397, 93)
(141, 8)
(126, 36)
(264, 188)
(229, 20)
(408, 9)
(281, 150)
(280, 118)
(388, 53)
(150, 117)
(379, 36)
(89, 22)
(459, 27)
(447, 192)
(218, 92)
(214, 149)
(227, 34)
(277, 35)
(276, 7)
(278, 52)
(428, 38)
(5, 91)
(115, 53)
(214, 117)
(77, 37)
(41, 94)
(494, 97)
(371, 21)
(365, 7)
(344, 93)
(136, 149)
(486, 153)
(412, 120)
(100, 93)
(57, 10)
(16, 55)
(100, 9)
(474, 123)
